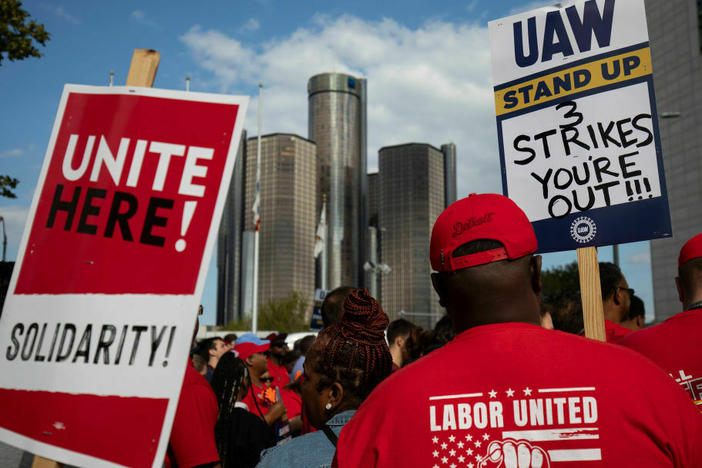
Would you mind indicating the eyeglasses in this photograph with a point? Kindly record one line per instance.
(267, 379)
(629, 290)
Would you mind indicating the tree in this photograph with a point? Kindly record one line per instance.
(284, 315)
(17, 36)
(7, 183)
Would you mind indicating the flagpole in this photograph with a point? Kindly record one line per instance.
(254, 282)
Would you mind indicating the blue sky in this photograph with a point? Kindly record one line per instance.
(427, 65)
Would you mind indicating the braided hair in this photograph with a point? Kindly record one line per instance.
(354, 352)
(228, 378)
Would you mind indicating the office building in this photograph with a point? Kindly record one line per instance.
(337, 124)
(411, 195)
(288, 218)
(675, 33)
(449, 151)
(229, 244)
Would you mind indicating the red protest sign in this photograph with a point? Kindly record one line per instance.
(99, 316)
(132, 181)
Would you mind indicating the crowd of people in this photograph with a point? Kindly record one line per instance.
(492, 384)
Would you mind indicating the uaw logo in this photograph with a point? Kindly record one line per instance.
(583, 229)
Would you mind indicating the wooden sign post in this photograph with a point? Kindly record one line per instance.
(142, 72)
(591, 293)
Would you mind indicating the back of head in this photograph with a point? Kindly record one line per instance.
(399, 327)
(610, 276)
(481, 246)
(354, 352)
(690, 271)
(304, 344)
(333, 305)
(228, 378)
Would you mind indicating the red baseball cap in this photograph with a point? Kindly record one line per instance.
(248, 344)
(486, 216)
(691, 250)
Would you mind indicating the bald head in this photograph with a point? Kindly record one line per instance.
(496, 292)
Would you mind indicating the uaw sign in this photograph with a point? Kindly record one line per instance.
(100, 312)
(577, 124)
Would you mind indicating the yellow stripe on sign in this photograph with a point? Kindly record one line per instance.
(592, 75)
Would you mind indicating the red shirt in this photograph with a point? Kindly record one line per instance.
(291, 400)
(279, 374)
(676, 346)
(615, 332)
(502, 389)
(192, 439)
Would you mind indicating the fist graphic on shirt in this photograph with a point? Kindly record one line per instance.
(515, 454)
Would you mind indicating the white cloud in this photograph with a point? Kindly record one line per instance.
(11, 153)
(431, 84)
(533, 5)
(61, 13)
(251, 25)
(140, 17)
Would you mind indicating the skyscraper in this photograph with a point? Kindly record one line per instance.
(411, 195)
(449, 150)
(288, 216)
(337, 124)
(675, 33)
(229, 244)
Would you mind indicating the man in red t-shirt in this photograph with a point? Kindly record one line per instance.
(675, 344)
(192, 441)
(505, 391)
(616, 300)
(278, 349)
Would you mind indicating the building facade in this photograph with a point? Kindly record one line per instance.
(337, 124)
(288, 217)
(675, 33)
(411, 195)
(449, 150)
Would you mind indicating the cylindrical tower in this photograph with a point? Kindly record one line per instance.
(337, 123)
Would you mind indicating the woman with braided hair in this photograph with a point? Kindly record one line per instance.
(345, 363)
(240, 435)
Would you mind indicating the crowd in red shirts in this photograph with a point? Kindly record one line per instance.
(504, 379)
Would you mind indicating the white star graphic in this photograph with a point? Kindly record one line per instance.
(452, 465)
(460, 444)
(469, 437)
(461, 459)
(470, 465)
(469, 452)
(443, 446)
(486, 437)
(452, 438)
(444, 460)
(527, 391)
(510, 392)
(435, 453)
(59, 425)
(452, 452)
(435, 439)
(477, 443)
(492, 393)
(435, 466)
(477, 458)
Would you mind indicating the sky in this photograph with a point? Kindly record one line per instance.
(427, 66)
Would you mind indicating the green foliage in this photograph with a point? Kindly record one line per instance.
(17, 35)
(285, 315)
(7, 183)
(561, 283)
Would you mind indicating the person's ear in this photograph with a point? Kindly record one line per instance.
(616, 297)
(440, 288)
(335, 397)
(640, 322)
(535, 271)
(679, 288)
(400, 341)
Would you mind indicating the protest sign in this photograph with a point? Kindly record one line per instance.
(577, 123)
(316, 322)
(100, 312)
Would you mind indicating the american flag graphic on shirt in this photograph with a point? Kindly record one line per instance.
(515, 427)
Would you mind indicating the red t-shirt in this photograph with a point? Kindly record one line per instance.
(502, 391)
(192, 439)
(279, 374)
(291, 400)
(615, 332)
(676, 346)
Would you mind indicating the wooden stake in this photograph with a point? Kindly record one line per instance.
(142, 72)
(591, 293)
